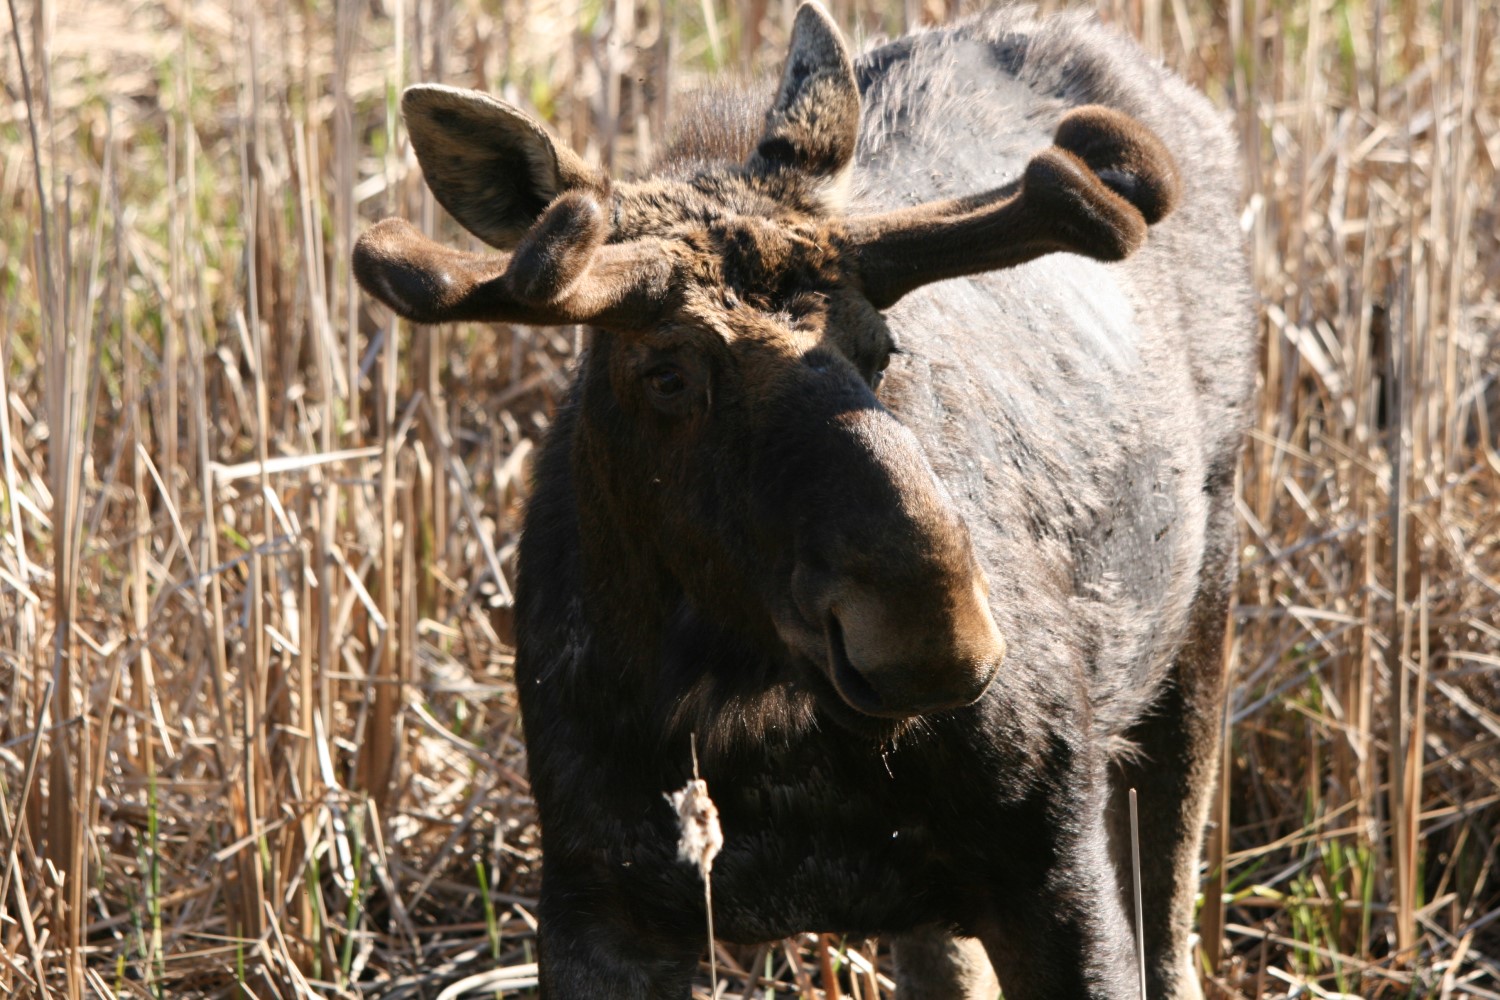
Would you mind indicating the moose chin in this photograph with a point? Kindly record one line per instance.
(897, 475)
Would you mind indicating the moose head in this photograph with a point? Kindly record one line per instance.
(732, 425)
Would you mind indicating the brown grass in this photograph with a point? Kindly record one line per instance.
(257, 731)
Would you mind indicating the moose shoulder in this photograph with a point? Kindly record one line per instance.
(933, 570)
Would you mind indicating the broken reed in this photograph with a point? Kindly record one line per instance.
(256, 722)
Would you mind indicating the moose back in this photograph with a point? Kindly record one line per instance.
(898, 473)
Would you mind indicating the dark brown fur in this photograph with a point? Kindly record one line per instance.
(925, 639)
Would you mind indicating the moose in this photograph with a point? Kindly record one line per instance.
(897, 477)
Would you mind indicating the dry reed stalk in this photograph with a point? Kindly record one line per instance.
(831, 989)
(59, 832)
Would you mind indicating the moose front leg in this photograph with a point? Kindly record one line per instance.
(1058, 929)
(591, 946)
(1173, 771)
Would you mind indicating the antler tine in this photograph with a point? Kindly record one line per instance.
(1093, 193)
(560, 273)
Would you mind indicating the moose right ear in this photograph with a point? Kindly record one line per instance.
(492, 166)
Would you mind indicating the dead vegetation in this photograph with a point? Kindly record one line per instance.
(257, 733)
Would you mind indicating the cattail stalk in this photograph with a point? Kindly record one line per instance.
(700, 842)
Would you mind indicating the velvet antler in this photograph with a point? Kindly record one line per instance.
(561, 272)
(1094, 192)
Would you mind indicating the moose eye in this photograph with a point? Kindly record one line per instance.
(666, 382)
(879, 374)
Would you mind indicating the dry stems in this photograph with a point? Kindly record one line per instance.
(256, 722)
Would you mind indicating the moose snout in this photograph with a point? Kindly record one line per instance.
(887, 596)
(895, 655)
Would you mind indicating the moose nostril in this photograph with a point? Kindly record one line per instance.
(891, 661)
(851, 684)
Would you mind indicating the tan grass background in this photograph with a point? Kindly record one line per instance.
(257, 729)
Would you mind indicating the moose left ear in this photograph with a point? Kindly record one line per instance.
(814, 124)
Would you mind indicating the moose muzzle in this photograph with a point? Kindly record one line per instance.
(890, 600)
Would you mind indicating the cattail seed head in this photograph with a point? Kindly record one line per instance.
(698, 819)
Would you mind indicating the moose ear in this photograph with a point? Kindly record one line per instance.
(492, 166)
(814, 123)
